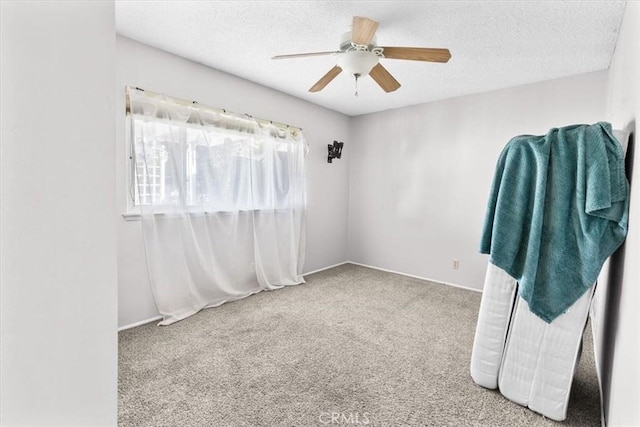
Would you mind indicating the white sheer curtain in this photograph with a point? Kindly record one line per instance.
(222, 201)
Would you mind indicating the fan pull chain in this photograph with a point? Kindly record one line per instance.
(356, 76)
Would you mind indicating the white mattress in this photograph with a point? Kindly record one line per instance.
(498, 297)
(531, 361)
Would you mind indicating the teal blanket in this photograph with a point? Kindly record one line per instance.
(558, 208)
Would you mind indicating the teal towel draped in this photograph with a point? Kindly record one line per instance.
(558, 208)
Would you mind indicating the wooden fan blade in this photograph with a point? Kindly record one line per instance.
(417, 54)
(362, 30)
(302, 55)
(386, 81)
(326, 79)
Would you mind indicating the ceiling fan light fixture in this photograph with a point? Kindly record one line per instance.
(357, 62)
(359, 56)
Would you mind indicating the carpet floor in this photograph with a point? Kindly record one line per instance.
(352, 346)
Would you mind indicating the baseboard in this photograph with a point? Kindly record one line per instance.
(326, 268)
(416, 277)
(140, 323)
(153, 319)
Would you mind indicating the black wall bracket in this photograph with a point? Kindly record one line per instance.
(335, 151)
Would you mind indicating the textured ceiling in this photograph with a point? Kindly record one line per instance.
(494, 44)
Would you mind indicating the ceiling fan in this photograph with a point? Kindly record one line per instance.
(359, 55)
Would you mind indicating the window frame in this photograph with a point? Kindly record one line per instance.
(133, 211)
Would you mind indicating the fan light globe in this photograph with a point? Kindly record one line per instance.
(357, 62)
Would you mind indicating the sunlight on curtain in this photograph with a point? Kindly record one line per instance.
(222, 202)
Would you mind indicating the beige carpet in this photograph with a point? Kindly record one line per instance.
(352, 346)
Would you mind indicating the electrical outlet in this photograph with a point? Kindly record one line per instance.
(456, 264)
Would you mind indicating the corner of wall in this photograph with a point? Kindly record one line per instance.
(617, 334)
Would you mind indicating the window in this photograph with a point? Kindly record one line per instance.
(192, 165)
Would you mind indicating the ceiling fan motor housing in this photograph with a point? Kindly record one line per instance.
(346, 45)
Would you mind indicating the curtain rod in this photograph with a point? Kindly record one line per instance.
(183, 102)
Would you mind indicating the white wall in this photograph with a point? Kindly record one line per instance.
(618, 333)
(327, 184)
(58, 352)
(420, 176)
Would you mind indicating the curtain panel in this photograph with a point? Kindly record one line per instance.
(222, 203)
